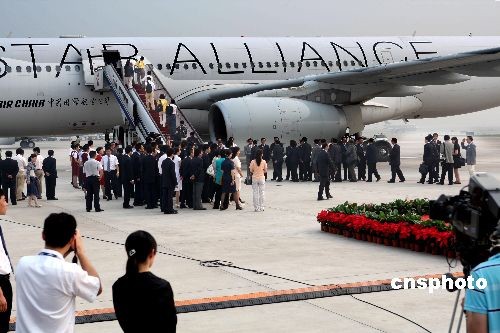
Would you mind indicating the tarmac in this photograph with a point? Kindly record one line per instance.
(276, 252)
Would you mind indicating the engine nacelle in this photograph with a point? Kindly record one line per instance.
(285, 118)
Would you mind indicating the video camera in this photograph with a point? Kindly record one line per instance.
(474, 215)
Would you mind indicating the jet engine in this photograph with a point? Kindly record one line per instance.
(285, 118)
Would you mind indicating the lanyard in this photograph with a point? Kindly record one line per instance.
(48, 255)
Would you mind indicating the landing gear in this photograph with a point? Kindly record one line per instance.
(27, 143)
(383, 150)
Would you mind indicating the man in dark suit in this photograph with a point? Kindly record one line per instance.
(395, 162)
(50, 171)
(119, 182)
(187, 185)
(278, 155)
(371, 160)
(148, 177)
(324, 166)
(205, 194)
(127, 177)
(266, 152)
(361, 159)
(137, 157)
(305, 160)
(10, 169)
(197, 178)
(428, 160)
(293, 158)
(168, 183)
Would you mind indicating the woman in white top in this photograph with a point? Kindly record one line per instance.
(178, 188)
(237, 175)
(258, 168)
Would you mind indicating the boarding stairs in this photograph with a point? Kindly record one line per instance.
(135, 114)
(161, 89)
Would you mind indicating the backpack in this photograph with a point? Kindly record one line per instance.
(159, 107)
(149, 88)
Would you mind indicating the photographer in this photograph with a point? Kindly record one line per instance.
(483, 306)
(47, 285)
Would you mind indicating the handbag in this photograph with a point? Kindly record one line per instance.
(461, 161)
(210, 170)
(423, 169)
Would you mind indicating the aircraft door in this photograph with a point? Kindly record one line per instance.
(386, 57)
(290, 121)
(92, 58)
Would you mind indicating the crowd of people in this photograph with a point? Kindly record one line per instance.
(47, 285)
(22, 178)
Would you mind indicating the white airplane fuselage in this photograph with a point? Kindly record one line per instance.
(36, 99)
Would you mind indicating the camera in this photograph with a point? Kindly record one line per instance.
(474, 215)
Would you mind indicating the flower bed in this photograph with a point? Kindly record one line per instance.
(403, 224)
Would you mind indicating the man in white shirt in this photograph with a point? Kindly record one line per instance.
(47, 285)
(111, 169)
(39, 170)
(5, 270)
(21, 175)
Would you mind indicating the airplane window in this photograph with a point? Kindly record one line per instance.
(68, 68)
(159, 66)
(252, 64)
(38, 69)
(177, 66)
(337, 63)
(236, 65)
(330, 63)
(28, 69)
(18, 69)
(299, 63)
(284, 63)
(8, 69)
(211, 65)
(353, 63)
(220, 66)
(77, 68)
(228, 65)
(167, 66)
(308, 64)
(276, 64)
(261, 65)
(58, 68)
(315, 63)
(292, 64)
(186, 66)
(323, 64)
(244, 65)
(359, 63)
(194, 66)
(346, 63)
(48, 68)
(268, 65)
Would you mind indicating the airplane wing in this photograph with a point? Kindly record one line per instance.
(354, 86)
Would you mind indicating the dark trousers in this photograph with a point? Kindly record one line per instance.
(324, 184)
(50, 187)
(218, 195)
(338, 173)
(10, 186)
(431, 169)
(447, 168)
(351, 172)
(293, 172)
(93, 192)
(372, 170)
(119, 186)
(197, 189)
(287, 171)
(187, 193)
(138, 193)
(128, 188)
(362, 170)
(7, 293)
(149, 195)
(167, 201)
(206, 193)
(305, 170)
(278, 170)
(396, 170)
(109, 183)
(346, 170)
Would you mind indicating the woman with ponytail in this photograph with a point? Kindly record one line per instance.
(143, 302)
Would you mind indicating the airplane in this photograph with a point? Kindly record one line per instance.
(285, 87)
